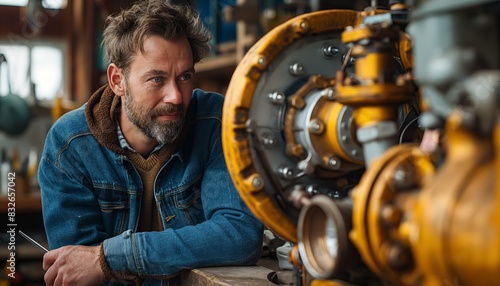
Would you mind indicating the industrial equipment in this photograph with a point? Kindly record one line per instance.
(368, 140)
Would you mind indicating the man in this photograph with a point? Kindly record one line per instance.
(134, 183)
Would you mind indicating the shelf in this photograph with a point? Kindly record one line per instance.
(221, 64)
(214, 73)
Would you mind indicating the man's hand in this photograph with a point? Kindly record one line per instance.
(73, 265)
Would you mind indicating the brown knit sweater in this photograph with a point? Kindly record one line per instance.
(148, 168)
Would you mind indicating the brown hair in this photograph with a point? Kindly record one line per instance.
(126, 31)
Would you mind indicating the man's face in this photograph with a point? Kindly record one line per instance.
(158, 88)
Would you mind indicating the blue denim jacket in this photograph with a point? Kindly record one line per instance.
(92, 195)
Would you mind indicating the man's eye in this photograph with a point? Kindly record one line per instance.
(186, 77)
(157, 79)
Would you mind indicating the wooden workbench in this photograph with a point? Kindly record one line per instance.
(234, 276)
(228, 276)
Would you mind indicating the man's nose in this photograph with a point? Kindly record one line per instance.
(172, 94)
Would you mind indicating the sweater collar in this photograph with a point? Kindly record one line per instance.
(101, 114)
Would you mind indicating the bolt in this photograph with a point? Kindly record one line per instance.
(335, 163)
(304, 26)
(261, 61)
(404, 177)
(316, 126)
(400, 175)
(257, 182)
(277, 97)
(285, 172)
(296, 69)
(330, 51)
(312, 190)
(351, 60)
(267, 141)
(399, 257)
(391, 215)
(329, 93)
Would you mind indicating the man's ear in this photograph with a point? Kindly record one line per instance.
(116, 79)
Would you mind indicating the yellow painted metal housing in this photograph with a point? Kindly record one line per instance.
(415, 225)
(455, 234)
(383, 202)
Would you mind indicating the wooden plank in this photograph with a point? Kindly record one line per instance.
(227, 276)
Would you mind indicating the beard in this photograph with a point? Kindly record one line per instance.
(164, 132)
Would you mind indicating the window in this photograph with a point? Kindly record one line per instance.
(37, 68)
(49, 4)
(14, 2)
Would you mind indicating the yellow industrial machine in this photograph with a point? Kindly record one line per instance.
(371, 145)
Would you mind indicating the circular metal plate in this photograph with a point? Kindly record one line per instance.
(255, 104)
